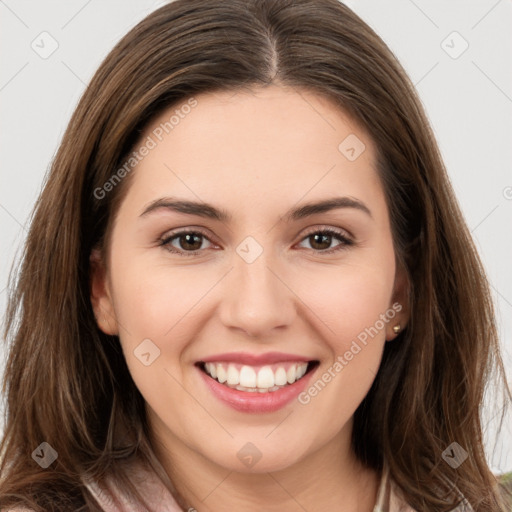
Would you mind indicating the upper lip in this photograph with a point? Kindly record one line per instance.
(255, 359)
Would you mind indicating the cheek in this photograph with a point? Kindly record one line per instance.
(342, 382)
(356, 311)
(153, 299)
(351, 300)
(157, 319)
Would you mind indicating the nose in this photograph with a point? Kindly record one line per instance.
(256, 299)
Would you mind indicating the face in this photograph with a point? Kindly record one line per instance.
(252, 285)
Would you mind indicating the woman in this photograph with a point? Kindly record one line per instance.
(247, 283)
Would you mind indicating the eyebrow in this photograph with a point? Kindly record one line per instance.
(209, 211)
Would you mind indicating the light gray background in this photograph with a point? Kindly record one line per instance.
(468, 98)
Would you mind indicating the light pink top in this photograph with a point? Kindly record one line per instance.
(152, 488)
(161, 500)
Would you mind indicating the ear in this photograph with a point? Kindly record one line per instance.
(101, 298)
(399, 304)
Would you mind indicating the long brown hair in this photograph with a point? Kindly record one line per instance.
(67, 383)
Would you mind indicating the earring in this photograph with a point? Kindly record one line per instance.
(396, 329)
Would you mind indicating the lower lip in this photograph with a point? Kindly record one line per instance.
(256, 402)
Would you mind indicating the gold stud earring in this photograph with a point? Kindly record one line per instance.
(396, 329)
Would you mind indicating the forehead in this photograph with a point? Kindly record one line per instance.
(267, 144)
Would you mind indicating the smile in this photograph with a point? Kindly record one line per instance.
(256, 384)
(253, 379)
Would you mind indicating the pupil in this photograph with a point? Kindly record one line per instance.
(189, 237)
(325, 239)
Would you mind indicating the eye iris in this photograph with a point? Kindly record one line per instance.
(320, 238)
(189, 239)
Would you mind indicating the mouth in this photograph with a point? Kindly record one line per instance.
(267, 378)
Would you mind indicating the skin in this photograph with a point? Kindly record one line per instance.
(255, 155)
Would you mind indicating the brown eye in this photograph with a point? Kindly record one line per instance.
(190, 241)
(184, 242)
(321, 240)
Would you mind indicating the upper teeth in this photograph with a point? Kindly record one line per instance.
(264, 377)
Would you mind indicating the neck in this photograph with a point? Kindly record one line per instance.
(322, 480)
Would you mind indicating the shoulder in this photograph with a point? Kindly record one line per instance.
(390, 497)
(112, 498)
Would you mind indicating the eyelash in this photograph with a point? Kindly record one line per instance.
(345, 241)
